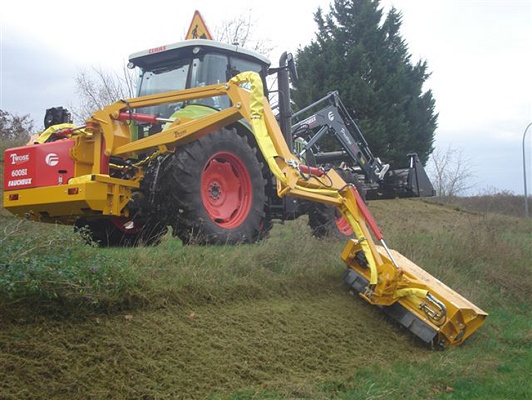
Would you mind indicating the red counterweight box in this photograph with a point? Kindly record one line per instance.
(38, 165)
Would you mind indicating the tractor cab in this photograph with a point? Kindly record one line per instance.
(190, 64)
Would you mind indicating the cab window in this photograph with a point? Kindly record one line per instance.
(211, 69)
(237, 65)
(164, 79)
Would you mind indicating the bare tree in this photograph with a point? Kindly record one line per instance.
(14, 131)
(451, 172)
(14, 127)
(239, 31)
(99, 87)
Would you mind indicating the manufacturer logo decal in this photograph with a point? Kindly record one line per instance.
(51, 159)
(310, 121)
(346, 137)
(157, 49)
(17, 160)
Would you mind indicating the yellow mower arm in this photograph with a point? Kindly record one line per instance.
(385, 278)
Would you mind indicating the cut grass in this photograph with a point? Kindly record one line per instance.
(191, 351)
(265, 321)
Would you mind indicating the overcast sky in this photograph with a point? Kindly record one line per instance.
(478, 51)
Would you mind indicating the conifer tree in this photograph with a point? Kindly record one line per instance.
(360, 52)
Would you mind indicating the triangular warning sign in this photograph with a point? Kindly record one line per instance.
(198, 29)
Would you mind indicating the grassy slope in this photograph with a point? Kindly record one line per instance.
(265, 321)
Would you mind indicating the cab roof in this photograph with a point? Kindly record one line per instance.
(144, 58)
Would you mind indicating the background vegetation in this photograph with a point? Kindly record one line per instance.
(359, 51)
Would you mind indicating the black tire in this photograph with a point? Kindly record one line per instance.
(326, 221)
(121, 232)
(214, 191)
(323, 222)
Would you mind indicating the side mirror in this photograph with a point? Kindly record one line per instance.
(292, 70)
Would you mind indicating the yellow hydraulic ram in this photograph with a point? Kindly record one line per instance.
(427, 307)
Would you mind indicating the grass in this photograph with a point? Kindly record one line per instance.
(490, 201)
(265, 321)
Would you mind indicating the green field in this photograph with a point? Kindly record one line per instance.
(265, 321)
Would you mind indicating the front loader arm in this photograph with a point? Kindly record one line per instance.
(382, 277)
(333, 118)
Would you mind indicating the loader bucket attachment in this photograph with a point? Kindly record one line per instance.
(445, 324)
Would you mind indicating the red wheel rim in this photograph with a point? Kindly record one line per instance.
(226, 190)
(343, 225)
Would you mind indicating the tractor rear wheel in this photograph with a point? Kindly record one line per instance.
(214, 191)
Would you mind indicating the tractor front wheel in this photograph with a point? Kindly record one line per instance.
(326, 220)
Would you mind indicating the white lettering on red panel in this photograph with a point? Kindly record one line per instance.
(19, 182)
(19, 172)
(16, 159)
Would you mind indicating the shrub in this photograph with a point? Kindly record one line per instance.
(48, 262)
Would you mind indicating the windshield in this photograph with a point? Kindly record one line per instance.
(171, 77)
(188, 72)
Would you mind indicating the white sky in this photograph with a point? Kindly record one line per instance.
(479, 53)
